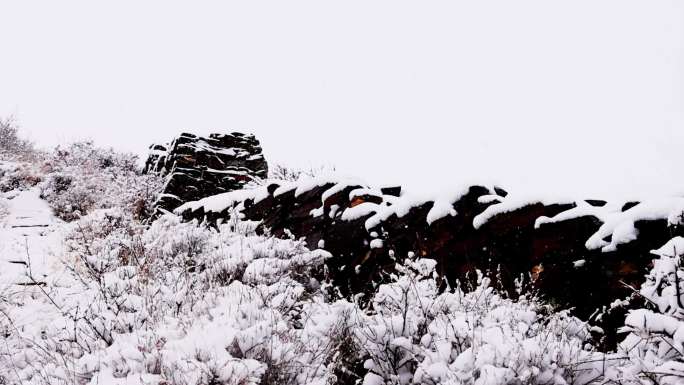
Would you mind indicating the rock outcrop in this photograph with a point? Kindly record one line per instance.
(579, 254)
(197, 167)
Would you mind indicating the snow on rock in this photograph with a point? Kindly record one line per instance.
(619, 225)
(400, 208)
(359, 211)
(442, 208)
(340, 182)
(673, 248)
(510, 203)
(220, 202)
(197, 167)
(337, 188)
(284, 188)
(359, 192)
(581, 209)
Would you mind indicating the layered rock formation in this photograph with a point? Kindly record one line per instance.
(197, 167)
(579, 254)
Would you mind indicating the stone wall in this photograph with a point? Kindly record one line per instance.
(581, 254)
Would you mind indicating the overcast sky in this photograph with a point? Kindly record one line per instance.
(577, 97)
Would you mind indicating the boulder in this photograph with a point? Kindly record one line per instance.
(197, 167)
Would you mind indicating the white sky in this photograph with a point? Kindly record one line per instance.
(581, 96)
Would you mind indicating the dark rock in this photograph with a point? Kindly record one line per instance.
(500, 192)
(197, 167)
(394, 191)
(596, 202)
(629, 205)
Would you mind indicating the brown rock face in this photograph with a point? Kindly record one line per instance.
(558, 249)
(197, 167)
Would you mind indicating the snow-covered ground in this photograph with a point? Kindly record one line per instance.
(30, 266)
(30, 239)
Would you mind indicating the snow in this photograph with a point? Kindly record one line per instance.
(440, 209)
(616, 224)
(511, 203)
(308, 184)
(673, 248)
(220, 202)
(400, 208)
(29, 239)
(203, 145)
(442, 206)
(364, 191)
(442, 203)
(581, 210)
(579, 263)
(284, 188)
(317, 212)
(620, 225)
(359, 211)
(339, 186)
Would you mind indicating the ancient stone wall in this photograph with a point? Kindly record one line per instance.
(582, 254)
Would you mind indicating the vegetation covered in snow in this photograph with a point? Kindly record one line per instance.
(179, 303)
(132, 301)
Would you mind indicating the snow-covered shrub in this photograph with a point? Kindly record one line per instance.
(654, 346)
(182, 303)
(19, 175)
(12, 146)
(279, 172)
(416, 335)
(178, 303)
(4, 208)
(82, 177)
